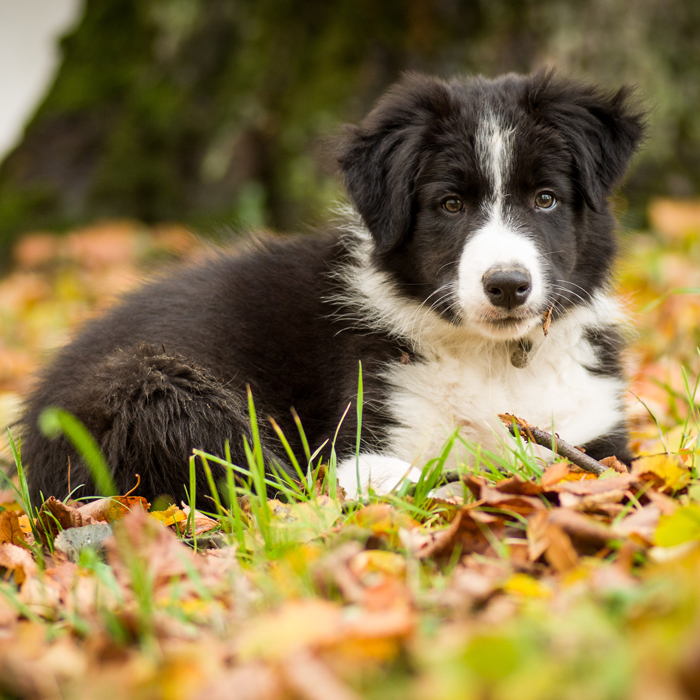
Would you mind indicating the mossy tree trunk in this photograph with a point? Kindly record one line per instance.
(216, 111)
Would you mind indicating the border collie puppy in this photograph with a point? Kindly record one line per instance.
(480, 217)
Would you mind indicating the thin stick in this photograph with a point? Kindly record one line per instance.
(449, 476)
(545, 439)
(138, 482)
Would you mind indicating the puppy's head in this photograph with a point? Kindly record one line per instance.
(487, 200)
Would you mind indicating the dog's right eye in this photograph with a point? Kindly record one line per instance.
(453, 205)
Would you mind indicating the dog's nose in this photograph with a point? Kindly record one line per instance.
(508, 287)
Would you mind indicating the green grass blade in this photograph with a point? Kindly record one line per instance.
(288, 450)
(358, 439)
(302, 436)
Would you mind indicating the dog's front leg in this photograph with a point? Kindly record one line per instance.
(380, 472)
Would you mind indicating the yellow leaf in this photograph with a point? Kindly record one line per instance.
(666, 472)
(371, 561)
(682, 526)
(25, 524)
(525, 586)
(169, 516)
(302, 522)
(384, 521)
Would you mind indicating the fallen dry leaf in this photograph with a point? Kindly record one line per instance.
(55, 516)
(665, 472)
(560, 552)
(139, 537)
(107, 510)
(554, 474)
(470, 532)
(384, 521)
(586, 534)
(509, 494)
(642, 522)
(309, 679)
(202, 523)
(250, 681)
(10, 529)
(169, 516)
(614, 463)
(590, 487)
(18, 561)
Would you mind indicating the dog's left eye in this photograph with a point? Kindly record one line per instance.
(545, 200)
(453, 205)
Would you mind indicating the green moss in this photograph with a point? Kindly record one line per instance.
(181, 109)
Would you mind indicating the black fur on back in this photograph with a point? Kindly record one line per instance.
(166, 371)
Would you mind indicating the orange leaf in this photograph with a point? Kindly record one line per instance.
(665, 472)
(169, 516)
(108, 510)
(17, 560)
(10, 528)
(55, 516)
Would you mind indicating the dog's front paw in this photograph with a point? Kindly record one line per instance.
(380, 472)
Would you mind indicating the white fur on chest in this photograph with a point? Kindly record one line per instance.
(466, 386)
(459, 379)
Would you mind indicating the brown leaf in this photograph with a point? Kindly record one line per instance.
(537, 535)
(642, 522)
(665, 504)
(470, 587)
(55, 516)
(35, 249)
(560, 552)
(252, 681)
(588, 487)
(17, 560)
(554, 474)
(470, 531)
(108, 510)
(139, 536)
(202, 523)
(10, 528)
(277, 634)
(549, 538)
(614, 463)
(608, 502)
(585, 532)
(310, 679)
(509, 494)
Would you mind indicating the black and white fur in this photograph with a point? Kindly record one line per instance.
(478, 206)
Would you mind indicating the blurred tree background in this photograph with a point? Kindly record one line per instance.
(220, 111)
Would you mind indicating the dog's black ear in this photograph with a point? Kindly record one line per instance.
(380, 158)
(603, 130)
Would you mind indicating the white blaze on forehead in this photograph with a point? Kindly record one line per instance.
(493, 149)
(498, 243)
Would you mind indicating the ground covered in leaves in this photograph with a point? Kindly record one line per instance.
(538, 582)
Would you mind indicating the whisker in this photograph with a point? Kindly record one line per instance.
(573, 284)
(572, 293)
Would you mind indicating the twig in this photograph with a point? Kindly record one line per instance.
(449, 476)
(541, 437)
(138, 482)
